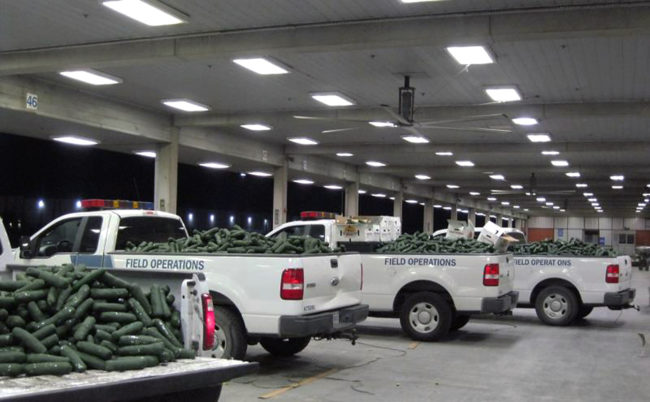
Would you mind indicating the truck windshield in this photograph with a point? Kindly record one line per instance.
(148, 228)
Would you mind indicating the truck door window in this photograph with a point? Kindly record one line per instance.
(147, 228)
(90, 237)
(58, 238)
(317, 231)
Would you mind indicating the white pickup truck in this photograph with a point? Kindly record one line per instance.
(431, 294)
(199, 378)
(280, 301)
(565, 288)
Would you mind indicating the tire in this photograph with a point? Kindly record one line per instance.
(425, 316)
(229, 333)
(557, 305)
(585, 311)
(284, 347)
(459, 321)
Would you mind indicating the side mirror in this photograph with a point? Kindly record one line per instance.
(25, 247)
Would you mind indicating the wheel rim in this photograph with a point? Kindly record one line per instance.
(556, 306)
(424, 317)
(220, 342)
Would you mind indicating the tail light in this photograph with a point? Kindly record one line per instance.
(491, 275)
(208, 322)
(361, 287)
(612, 273)
(293, 284)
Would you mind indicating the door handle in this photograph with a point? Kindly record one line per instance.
(334, 263)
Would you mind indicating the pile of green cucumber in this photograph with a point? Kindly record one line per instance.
(54, 320)
(570, 248)
(234, 241)
(423, 243)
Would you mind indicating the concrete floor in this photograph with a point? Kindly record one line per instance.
(509, 358)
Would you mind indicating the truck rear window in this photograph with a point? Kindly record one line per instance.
(147, 228)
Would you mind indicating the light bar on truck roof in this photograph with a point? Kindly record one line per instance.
(304, 215)
(115, 204)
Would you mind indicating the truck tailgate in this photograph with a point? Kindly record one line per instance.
(331, 282)
(625, 272)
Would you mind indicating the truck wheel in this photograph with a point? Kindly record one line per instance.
(229, 335)
(556, 305)
(425, 316)
(585, 311)
(284, 347)
(459, 321)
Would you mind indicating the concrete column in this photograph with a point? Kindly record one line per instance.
(351, 199)
(454, 212)
(427, 226)
(166, 175)
(471, 216)
(397, 204)
(499, 219)
(280, 179)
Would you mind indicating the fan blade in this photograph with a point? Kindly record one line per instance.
(488, 130)
(300, 117)
(339, 130)
(561, 192)
(463, 119)
(402, 121)
(413, 131)
(506, 192)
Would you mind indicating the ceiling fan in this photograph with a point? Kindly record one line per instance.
(404, 118)
(531, 189)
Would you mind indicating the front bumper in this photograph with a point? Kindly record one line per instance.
(321, 324)
(622, 298)
(500, 304)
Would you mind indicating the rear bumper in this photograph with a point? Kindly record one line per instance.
(622, 298)
(500, 304)
(319, 324)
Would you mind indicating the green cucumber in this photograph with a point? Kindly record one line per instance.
(109, 294)
(61, 315)
(35, 312)
(100, 307)
(49, 278)
(45, 358)
(11, 369)
(62, 297)
(15, 321)
(92, 361)
(6, 340)
(54, 368)
(76, 299)
(96, 350)
(138, 294)
(84, 329)
(28, 340)
(175, 320)
(83, 309)
(3, 314)
(129, 329)
(12, 357)
(156, 301)
(33, 285)
(119, 317)
(89, 278)
(10, 286)
(113, 281)
(102, 335)
(50, 341)
(131, 363)
(182, 353)
(74, 358)
(105, 327)
(149, 349)
(7, 301)
(52, 296)
(130, 340)
(162, 327)
(109, 345)
(44, 331)
(138, 310)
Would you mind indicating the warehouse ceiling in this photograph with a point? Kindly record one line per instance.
(580, 67)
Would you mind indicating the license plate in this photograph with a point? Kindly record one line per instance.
(335, 318)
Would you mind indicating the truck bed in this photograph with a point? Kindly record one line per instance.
(99, 386)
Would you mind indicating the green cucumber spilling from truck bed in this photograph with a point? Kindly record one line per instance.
(424, 243)
(570, 248)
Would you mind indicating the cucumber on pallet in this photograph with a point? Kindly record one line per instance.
(54, 368)
(131, 363)
(132, 328)
(12, 357)
(119, 317)
(74, 358)
(109, 293)
(45, 358)
(28, 340)
(136, 350)
(130, 340)
(95, 350)
(139, 311)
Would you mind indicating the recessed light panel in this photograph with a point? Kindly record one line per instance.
(91, 77)
(74, 140)
(375, 164)
(467, 55)
(256, 127)
(422, 177)
(415, 139)
(185, 105)
(214, 165)
(539, 137)
(449, 153)
(146, 154)
(261, 66)
(382, 124)
(303, 181)
(344, 154)
(260, 174)
(332, 99)
(503, 94)
(465, 163)
(524, 121)
(303, 141)
(152, 13)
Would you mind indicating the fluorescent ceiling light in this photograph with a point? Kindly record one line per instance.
(452, 186)
(491, 198)
(505, 202)
(303, 181)
(422, 177)
(617, 187)
(549, 203)
(641, 204)
(214, 165)
(467, 55)
(556, 207)
(382, 124)
(617, 177)
(261, 66)
(332, 99)
(362, 191)
(147, 12)
(541, 199)
(74, 140)
(391, 198)
(559, 163)
(573, 174)
(550, 153)
(411, 201)
(255, 127)
(588, 194)
(539, 137)
(562, 210)
(303, 141)
(516, 206)
(526, 210)
(497, 177)
(600, 211)
(474, 193)
(516, 186)
(375, 164)
(524, 121)
(448, 153)
(465, 163)
(447, 208)
(344, 154)
(505, 94)
(333, 187)
(185, 105)
(415, 139)
(582, 185)
(437, 206)
(146, 154)
(592, 199)
(91, 77)
(260, 174)
(379, 195)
